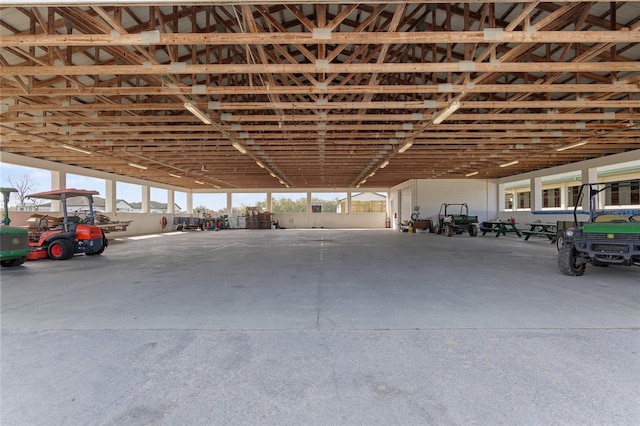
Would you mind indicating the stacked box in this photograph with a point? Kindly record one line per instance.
(257, 219)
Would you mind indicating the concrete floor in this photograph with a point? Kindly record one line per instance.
(319, 327)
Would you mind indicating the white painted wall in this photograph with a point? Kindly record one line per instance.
(480, 195)
(151, 223)
(142, 223)
(330, 220)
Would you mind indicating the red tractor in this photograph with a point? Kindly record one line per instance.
(61, 238)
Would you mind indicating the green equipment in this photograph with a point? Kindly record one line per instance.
(455, 219)
(610, 237)
(14, 241)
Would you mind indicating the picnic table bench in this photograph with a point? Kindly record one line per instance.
(548, 230)
(500, 228)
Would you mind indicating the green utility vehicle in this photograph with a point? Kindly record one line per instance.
(14, 241)
(610, 237)
(455, 219)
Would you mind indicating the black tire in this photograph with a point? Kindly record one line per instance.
(61, 249)
(448, 230)
(105, 243)
(13, 262)
(559, 240)
(473, 231)
(567, 261)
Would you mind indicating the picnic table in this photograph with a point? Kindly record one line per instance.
(500, 228)
(548, 230)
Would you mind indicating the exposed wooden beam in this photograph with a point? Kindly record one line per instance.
(261, 38)
(183, 68)
(617, 87)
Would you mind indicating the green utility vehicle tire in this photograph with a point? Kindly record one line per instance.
(567, 261)
(448, 230)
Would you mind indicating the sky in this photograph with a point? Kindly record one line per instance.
(41, 181)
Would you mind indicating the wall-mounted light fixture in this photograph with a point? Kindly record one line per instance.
(195, 111)
(445, 113)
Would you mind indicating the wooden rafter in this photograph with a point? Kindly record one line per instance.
(320, 94)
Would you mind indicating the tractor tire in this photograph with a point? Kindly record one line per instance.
(473, 231)
(105, 243)
(448, 230)
(567, 261)
(61, 249)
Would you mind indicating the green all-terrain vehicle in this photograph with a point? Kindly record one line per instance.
(455, 219)
(14, 241)
(610, 237)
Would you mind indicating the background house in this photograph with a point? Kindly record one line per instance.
(364, 202)
(154, 207)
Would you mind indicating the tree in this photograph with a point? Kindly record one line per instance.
(328, 206)
(288, 205)
(24, 186)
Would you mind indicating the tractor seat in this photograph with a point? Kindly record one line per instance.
(611, 219)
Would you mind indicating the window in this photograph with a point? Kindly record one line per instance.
(624, 195)
(572, 195)
(524, 200)
(508, 201)
(551, 197)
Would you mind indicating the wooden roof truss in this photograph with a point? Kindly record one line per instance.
(320, 95)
